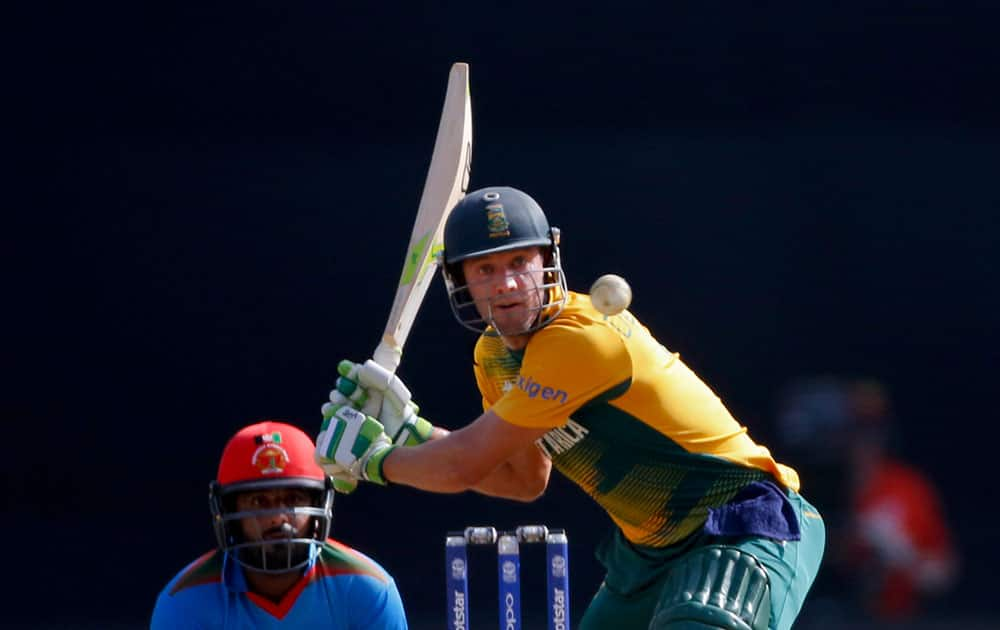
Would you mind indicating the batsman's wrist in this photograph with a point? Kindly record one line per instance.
(374, 465)
(415, 432)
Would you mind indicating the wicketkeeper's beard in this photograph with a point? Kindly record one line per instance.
(276, 556)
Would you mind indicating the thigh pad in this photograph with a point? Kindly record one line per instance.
(714, 587)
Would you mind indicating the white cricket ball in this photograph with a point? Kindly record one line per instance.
(610, 294)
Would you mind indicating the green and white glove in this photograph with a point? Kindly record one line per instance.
(352, 447)
(397, 412)
(343, 484)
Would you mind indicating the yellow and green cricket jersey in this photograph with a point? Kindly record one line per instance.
(631, 424)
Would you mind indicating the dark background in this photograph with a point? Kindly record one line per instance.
(208, 206)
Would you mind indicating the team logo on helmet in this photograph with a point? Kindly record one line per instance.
(496, 221)
(270, 458)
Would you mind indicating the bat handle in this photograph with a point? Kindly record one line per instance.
(388, 355)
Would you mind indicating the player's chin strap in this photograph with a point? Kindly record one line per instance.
(715, 587)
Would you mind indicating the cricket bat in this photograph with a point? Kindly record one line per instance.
(447, 182)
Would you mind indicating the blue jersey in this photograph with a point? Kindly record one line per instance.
(342, 590)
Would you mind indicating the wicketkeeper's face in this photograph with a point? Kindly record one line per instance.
(506, 288)
(275, 520)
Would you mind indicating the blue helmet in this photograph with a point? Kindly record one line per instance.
(494, 220)
(497, 219)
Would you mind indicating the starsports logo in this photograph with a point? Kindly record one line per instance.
(458, 612)
(558, 609)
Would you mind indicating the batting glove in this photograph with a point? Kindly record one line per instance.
(352, 447)
(360, 385)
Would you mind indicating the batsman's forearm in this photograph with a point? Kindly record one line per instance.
(431, 466)
(441, 466)
(522, 478)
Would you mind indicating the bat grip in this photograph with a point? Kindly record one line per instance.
(388, 356)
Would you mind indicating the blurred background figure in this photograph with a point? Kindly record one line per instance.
(899, 547)
(891, 550)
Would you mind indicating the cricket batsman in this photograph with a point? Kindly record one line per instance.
(709, 531)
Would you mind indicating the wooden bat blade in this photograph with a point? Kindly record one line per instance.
(446, 183)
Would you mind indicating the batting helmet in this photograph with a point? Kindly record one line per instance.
(265, 456)
(491, 220)
(494, 220)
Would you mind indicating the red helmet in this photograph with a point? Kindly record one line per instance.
(265, 456)
(273, 453)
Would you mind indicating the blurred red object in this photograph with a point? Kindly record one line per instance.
(900, 544)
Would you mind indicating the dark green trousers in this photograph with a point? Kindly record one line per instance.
(636, 574)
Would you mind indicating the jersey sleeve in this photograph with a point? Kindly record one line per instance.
(486, 388)
(566, 365)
